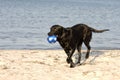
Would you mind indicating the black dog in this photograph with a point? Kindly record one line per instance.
(72, 38)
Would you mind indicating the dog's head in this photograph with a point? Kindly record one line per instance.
(56, 30)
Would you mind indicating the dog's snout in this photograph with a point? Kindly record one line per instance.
(50, 34)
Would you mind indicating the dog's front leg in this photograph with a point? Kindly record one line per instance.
(68, 53)
(69, 58)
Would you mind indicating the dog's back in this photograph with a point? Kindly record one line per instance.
(81, 27)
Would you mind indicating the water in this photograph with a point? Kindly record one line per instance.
(24, 24)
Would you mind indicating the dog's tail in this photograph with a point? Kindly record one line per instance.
(98, 31)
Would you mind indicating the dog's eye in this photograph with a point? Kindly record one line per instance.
(54, 28)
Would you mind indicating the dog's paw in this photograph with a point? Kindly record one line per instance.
(68, 60)
(87, 56)
(72, 65)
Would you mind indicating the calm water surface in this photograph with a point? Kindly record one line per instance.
(24, 24)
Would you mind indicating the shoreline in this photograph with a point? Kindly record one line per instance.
(84, 48)
(51, 65)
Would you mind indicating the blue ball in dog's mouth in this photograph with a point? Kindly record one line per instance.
(52, 39)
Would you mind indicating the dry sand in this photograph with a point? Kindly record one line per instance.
(51, 65)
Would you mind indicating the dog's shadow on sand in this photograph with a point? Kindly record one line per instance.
(92, 57)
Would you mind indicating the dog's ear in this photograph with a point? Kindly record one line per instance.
(66, 32)
(61, 30)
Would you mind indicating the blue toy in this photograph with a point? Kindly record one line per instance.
(52, 39)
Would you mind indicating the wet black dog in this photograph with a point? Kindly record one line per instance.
(71, 38)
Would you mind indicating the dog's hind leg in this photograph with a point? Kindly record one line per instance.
(79, 52)
(87, 43)
(88, 49)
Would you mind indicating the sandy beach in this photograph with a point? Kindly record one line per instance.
(51, 65)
